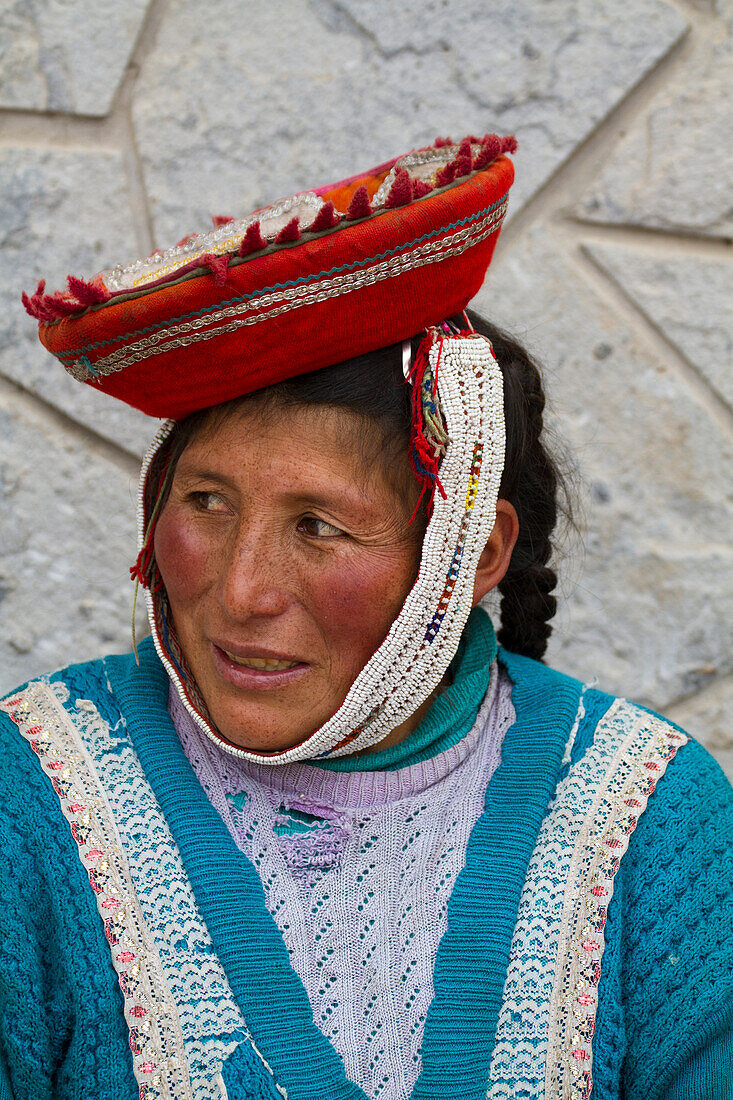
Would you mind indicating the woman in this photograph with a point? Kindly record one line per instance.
(316, 838)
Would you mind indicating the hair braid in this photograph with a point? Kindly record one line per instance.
(530, 482)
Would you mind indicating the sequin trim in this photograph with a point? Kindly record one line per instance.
(267, 306)
(155, 1038)
(227, 238)
(547, 1021)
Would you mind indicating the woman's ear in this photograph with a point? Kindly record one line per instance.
(496, 555)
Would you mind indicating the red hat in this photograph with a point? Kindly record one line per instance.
(310, 281)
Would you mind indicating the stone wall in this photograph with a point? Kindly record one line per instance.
(125, 125)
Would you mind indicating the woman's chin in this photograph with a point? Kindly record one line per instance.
(255, 733)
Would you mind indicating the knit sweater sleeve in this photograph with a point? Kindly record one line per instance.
(57, 984)
(6, 1093)
(676, 939)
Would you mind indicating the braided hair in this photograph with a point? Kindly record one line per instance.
(372, 386)
(533, 484)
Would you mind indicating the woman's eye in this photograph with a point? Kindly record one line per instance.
(318, 528)
(209, 502)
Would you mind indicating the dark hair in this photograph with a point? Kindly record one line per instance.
(532, 482)
(372, 387)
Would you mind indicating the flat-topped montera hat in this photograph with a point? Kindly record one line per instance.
(309, 282)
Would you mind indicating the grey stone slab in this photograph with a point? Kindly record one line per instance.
(68, 523)
(63, 212)
(65, 55)
(547, 72)
(673, 169)
(707, 717)
(689, 299)
(301, 96)
(647, 598)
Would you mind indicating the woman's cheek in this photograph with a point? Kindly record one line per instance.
(357, 602)
(184, 554)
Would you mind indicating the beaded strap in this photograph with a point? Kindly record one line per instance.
(423, 639)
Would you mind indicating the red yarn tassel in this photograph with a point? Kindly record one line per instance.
(509, 144)
(326, 218)
(359, 207)
(60, 306)
(420, 187)
(289, 232)
(424, 460)
(217, 265)
(462, 160)
(439, 143)
(490, 150)
(34, 303)
(445, 176)
(221, 219)
(252, 241)
(400, 193)
(89, 294)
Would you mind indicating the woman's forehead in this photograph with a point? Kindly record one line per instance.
(298, 441)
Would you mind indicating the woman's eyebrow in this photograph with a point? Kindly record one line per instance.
(204, 474)
(344, 495)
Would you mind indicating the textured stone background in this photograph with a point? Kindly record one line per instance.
(124, 125)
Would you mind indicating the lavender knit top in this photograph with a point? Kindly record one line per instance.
(357, 866)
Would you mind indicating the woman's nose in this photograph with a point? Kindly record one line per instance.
(254, 580)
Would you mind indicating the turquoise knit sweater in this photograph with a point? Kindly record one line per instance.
(663, 1029)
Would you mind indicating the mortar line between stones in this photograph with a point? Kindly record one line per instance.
(145, 42)
(57, 130)
(657, 241)
(625, 306)
(694, 14)
(33, 405)
(137, 192)
(571, 179)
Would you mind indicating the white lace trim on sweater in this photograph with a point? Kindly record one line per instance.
(544, 1035)
(182, 1017)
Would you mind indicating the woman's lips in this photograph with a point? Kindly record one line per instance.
(256, 673)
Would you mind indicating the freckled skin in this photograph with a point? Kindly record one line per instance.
(272, 538)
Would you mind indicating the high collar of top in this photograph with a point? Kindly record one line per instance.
(313, 280)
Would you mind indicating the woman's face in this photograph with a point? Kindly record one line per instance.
(285, 565)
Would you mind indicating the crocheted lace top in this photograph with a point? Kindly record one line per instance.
(357, 869)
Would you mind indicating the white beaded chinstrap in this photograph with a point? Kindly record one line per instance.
(424, 637)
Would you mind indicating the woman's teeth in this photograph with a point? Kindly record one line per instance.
(261, 663)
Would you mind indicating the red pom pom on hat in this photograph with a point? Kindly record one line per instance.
(400, 193)
(359, 207)
(289, 232)
(326, 218)
(87, 293)
(252, 241)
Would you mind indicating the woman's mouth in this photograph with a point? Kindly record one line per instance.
(256, 673)
(265, 663)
